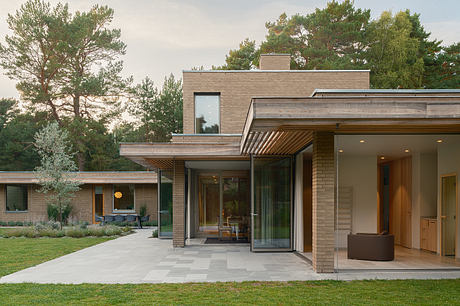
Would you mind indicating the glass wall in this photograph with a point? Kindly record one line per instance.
(272, 206)
(209, 204)
(16, 197)
(165, 212)
(123, 197)
(236, 207)
(207, 116)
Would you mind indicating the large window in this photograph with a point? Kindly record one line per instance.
(207, 115)
(123, 197)
(16, 197)
(166, 207)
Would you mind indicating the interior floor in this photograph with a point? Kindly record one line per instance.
(405, 259)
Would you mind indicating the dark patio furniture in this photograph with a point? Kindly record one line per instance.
(108, 218)
(98, 219)
(119, 218)
(131, 218)
(371, 247)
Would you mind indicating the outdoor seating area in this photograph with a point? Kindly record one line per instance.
(107, 219)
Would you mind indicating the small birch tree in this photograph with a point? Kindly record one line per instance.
(56, 171)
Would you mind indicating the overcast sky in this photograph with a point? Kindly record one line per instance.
(168, 36)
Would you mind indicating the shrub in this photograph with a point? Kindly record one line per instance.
(143, 210)
(53, 225)
(11, 223)
(29, 232)
(53, 212)
(126, 229)
(3, 223)
(75, 232)
(111, 230)
(150, 223)
(97, 231)
(155, 233)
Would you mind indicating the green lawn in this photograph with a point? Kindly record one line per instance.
(20, 253)
(319, 292)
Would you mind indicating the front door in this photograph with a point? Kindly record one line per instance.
(98, 204)
(271, 208)
(448, 214)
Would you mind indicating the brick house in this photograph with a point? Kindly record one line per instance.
(102, 193)
(297, 160)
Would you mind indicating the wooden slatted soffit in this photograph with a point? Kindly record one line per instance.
(283, 141)
(162, 164)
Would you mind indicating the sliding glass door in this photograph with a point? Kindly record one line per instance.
(271, 208)
(165, 206)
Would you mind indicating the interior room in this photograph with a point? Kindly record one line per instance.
(403, 189)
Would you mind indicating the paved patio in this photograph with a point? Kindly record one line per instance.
(137, 258)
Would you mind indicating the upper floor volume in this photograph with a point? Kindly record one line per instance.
(217, 101)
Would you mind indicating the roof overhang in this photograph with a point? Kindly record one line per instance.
(85, 177)
(162, 155)
(285, 125)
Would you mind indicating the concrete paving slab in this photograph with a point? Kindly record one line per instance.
(139, 259)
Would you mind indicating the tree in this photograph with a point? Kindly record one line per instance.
(242, 58)
(17, 132)
(66, 63)
(329, 38)
(159, 111)
(444, 69)
(393, 55)
(55, 173)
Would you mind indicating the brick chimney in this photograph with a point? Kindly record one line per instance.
(274, 61)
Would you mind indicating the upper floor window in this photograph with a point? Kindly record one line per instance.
(16, 197)
(207, 114)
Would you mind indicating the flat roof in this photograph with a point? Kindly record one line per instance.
(395, 91)
(86, 177)
(258, 70)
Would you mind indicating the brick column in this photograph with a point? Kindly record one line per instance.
(323, 202)
(179, 204)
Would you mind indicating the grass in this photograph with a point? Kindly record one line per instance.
(20, 253)
(317, 292)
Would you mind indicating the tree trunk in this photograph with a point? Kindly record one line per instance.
(80, 155)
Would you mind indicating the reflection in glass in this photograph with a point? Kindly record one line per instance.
(16, 197)
(166, 204)
(123, 197)
(236, 206)
(207, 114)
(209, 204)
(272, 203)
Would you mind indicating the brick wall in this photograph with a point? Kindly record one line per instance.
(82, 203)
(237, 88)
(179, 203)
(323, 190)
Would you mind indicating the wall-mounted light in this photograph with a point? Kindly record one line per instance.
(362, 141)
(382, 157)
(340, 151)
(118, 195)
(439, 140)
(406, 150)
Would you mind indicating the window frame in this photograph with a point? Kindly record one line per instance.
(27, 199)
(218, 94)
(123, 211)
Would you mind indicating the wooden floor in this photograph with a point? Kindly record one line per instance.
(405, 259)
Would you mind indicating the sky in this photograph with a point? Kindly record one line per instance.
(168, 36)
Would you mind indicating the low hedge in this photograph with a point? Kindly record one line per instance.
(69, 231)
(132, 224)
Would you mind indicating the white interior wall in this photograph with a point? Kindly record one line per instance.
(448, 163)
(360, 173)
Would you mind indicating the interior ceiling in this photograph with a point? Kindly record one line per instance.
(393, 146)
(218, 164)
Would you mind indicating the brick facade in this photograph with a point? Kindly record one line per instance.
(82, 203)
(237, 88)
(179, 203)
(323, 190)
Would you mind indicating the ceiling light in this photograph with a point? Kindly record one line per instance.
(406, 150)
(362, 141)
(382, 157)
(340, 151)
(439, 140)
